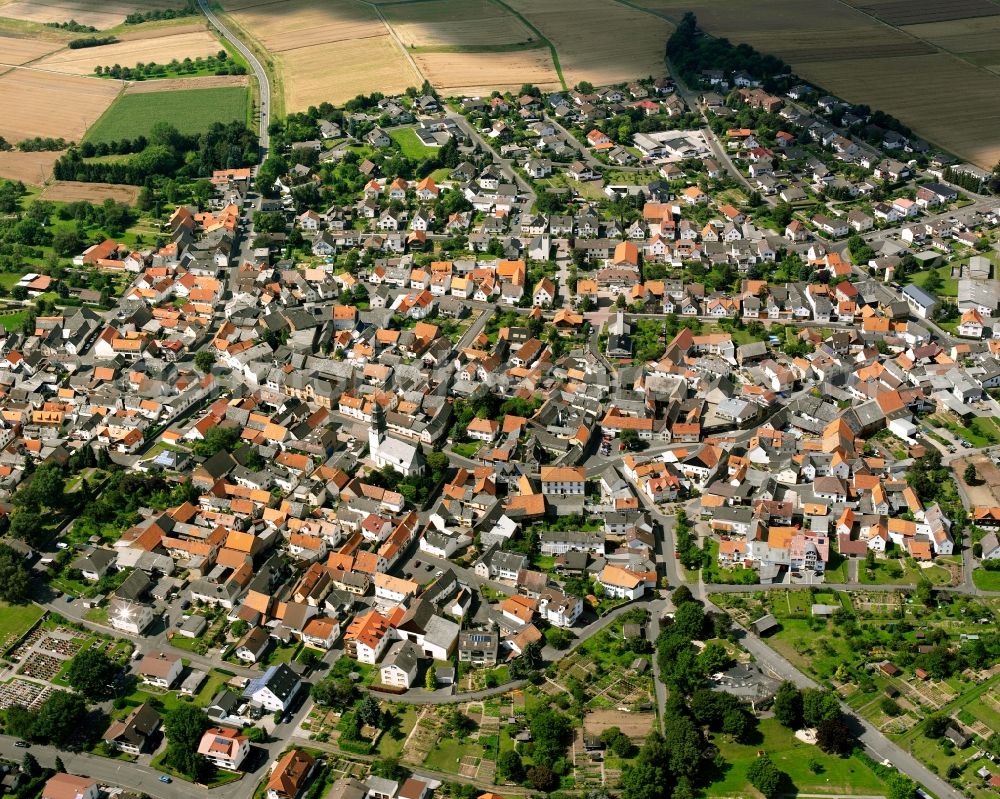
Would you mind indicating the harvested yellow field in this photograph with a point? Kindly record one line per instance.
(101, 15)
(296, 24)
(598, 41)
(480, 73)
(456, 23)
(185, 84)
(47, 104)
(160, 50)
(820, 30)
(340, 71)
(69, 191)
(14, 50)
(944, 99)
(32, 168)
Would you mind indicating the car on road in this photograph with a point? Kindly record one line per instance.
(62, 545)
(69, 597)
(22, 744)
(416, 564)
(165, 778)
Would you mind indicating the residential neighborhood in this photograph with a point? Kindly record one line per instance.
(478, 441)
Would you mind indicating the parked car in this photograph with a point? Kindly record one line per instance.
(165, 778)
(22, 744)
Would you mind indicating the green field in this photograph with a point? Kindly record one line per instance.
(190, 111)
(986, 581)
(411, 146)
(809, 770)
(16, 620)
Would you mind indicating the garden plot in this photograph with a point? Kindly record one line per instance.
(635, 725)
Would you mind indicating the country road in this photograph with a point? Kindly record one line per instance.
(258, 71)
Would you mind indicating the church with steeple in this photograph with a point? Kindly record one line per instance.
(384, 450)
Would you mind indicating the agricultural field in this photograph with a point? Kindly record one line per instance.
(850, 53)
(599, 42)
(908, 12)
(340, 71)
(822, 31)
(964, 122)
(480, 73)
(18, 50)
(159, 49)
(105, 14)
(325, 51)
(456, 24)
(31, 168)
(52, 105)
(188, 84)
(191, 111)
(68, 191)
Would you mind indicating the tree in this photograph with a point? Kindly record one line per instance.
(834, 737)
(92, 673)
(924, 593)
(430, 678)
(336, 692)
(935, 725)
(629, 438)
(204, 361)
(29, 765)
(551, 732)
(689, 621)
(59, 765)
(819, 706)
(184, 726)
(788, 705)
(239, 628)
(542, 778)
(389, 768)
(970, 475)
(737, 723)
(510, 767)
(684, 745)
(765, 776)
(60, 718)
(369, 712)
(15, 579)
(681, 595)
(899, 786)
(714, 658)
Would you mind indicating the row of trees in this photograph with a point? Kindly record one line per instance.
(168, 152)
(138, 17)
(219, 64)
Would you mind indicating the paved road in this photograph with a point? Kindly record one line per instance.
(136, 777)
(258, 71)
(524, 187)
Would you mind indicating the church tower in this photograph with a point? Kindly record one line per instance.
(376, 433)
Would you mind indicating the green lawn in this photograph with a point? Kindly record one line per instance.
(447, 754)
(190, 111)
(834, 775)
(949, 285)
(391, 742)
(467, 449)
(15, 621)
(411, 146)
(986, 581)
(981, 431)
(13, 321)
(10, 279)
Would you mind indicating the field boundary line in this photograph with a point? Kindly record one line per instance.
(540, 35)
(395, 37)
(266, 58)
